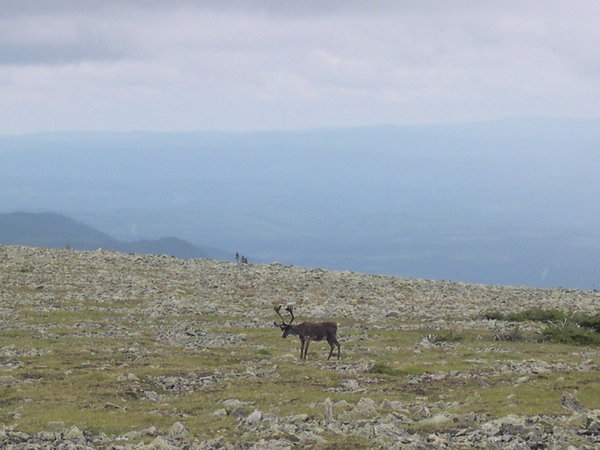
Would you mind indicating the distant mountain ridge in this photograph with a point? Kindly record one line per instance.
(58, 231)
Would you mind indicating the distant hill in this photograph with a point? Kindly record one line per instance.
(57, 231)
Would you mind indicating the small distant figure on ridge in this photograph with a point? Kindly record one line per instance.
(240, 258)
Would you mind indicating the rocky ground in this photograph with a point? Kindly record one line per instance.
(108, 350)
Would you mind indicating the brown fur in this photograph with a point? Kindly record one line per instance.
(310, 331)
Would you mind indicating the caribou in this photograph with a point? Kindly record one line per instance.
(309, 331)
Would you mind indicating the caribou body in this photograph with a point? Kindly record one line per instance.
(309, 331)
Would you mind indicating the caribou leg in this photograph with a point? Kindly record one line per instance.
(306, 348)
(330, 350)
(333, 343)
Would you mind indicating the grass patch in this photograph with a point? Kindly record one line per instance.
(572, 329)
(384, 369)
(341, 442)
(591, 322)
(514, 335)
(539, 395)
(571, 334)
(534, 314)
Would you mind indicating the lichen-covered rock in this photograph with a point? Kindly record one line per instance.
(178, 431)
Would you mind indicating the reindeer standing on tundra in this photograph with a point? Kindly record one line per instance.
(309, 331)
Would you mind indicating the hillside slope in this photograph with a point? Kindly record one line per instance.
(101, 348)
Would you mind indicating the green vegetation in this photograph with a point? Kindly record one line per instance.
(86, 381)
(571, 333)
(534, 314)
(591, 322)
(574, 329)
(384, 369)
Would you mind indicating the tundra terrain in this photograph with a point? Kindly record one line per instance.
(100, 349)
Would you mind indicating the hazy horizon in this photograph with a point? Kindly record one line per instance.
(506, 202)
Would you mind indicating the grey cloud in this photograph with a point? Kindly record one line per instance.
(290, 7)
(214, 64)
(60, 39)
(27, 54)
(280, 8)
(306, 7)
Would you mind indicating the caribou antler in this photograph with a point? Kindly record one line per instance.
(290, 309)
(278, 311)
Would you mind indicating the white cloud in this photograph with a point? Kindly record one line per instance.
(239, 65)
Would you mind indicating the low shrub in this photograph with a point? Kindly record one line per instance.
(383, 369)
(534, 314)
(514, 335)
(537, 315)
(591, 322)
(494, 315)
(580, 329)
(571, 334)
(450, 337)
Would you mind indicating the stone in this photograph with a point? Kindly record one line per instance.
(254, 418)
(132, 435)
(392, 404)
(439, 441)
(593, 427)
(309, 439)
(328, 406)
(178, 431)
(272, 444)
(48, 436)
(74, 433)
(342, 404)
(570, 402)
(366, 403)
(364, 407)
(150, 431)
(388, 429)
(577, 419)
(438, 419)
(151, 396)
(8, 380)
(109, 405)
(298, 418)
(160, 443)
(233, 403)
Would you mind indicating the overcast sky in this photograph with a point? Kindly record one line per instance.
(252, 64)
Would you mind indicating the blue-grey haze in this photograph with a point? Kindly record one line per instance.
(509, 202)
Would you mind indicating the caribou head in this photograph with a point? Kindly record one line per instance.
(285, 327)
